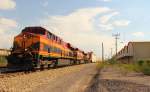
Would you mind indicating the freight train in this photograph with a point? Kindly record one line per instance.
(36, 47)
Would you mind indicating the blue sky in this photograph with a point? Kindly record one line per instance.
(84, 23)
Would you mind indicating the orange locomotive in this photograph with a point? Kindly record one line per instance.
(36, 47)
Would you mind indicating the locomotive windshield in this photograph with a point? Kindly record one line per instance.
(35, 30)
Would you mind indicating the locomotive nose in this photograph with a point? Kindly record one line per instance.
(22, 42)
(26, 36)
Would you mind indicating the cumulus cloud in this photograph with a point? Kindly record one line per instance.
(107, 22)
(105, 0)
(108, 27)
(105, 19)
(6, 39)
(81, 20)
(121, 23)
(7, 4)
(6, 32)
(138, 34)
(83, 28)
(8, 22)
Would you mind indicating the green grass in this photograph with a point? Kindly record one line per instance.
(139, 66)
(101, 65)
(3, 61)
(144, 67)
(130, 67)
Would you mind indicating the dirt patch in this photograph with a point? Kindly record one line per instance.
(112, 79)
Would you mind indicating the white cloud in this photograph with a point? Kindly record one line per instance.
(107, 22)
(81, 20)
(106, 18)
(7, 4)
(121, 23)
(107, 0)
(8, 22)
(138, 34)
(107, 27)
(80, 28)
(6, 40)
(7, 32)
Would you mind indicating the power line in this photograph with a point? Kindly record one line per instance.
(111, 52)
(102, 52)
(116, 39)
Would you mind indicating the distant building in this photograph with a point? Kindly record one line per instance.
(134, 51)
(4, 52)
(94, 58)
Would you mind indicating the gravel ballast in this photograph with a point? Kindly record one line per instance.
(31, 81)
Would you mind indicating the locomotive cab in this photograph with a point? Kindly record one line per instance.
(28, 39)
(26, 47)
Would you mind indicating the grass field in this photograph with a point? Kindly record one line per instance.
(140, 66)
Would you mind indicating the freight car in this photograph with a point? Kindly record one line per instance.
(36, 47)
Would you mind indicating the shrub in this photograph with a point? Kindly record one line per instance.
(146, 70)
(3, 61)
(148, 62)
(112, 61)
(140, 63)
(144, 66)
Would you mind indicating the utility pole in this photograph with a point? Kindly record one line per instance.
(111, 52)
(102, 52)
(116, 43)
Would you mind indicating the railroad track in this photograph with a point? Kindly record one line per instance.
(12, 72)
(9, 75)
(8, 70)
